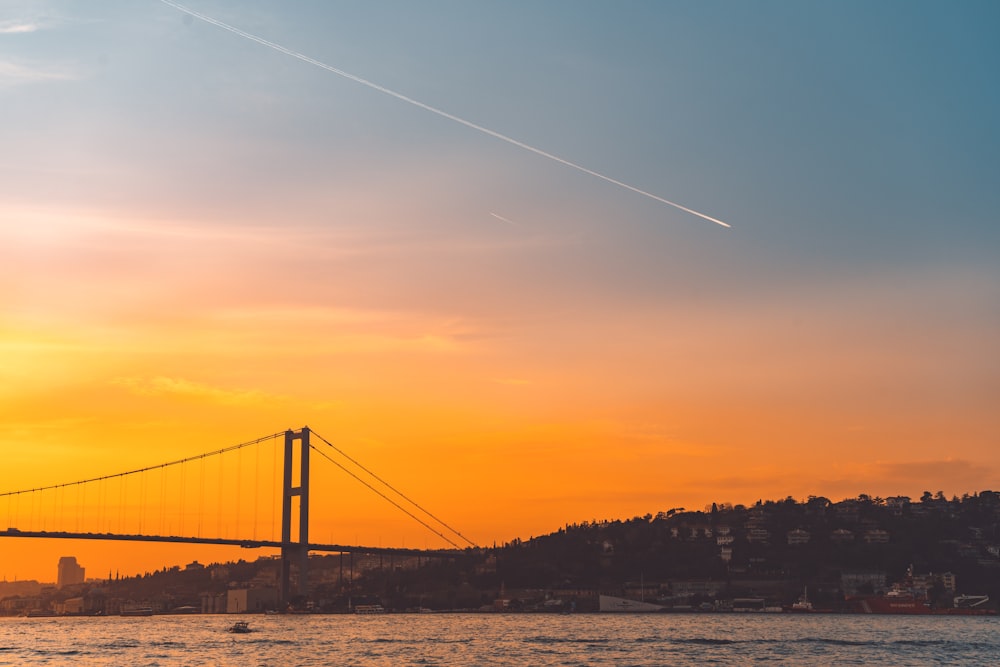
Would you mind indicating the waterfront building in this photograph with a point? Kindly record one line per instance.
(242, 600)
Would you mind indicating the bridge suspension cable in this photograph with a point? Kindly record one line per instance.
(231, 448)
(387, 498)
(154, 503)
(130, 502)
(394, 490)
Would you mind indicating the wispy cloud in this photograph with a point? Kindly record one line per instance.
(188, 389)
(27, 429)
(168, 386)
(954, 474)
(13, 73)
(357, 330)
(14, 26)
(653, 438)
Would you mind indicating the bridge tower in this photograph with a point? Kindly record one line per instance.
(297, 551)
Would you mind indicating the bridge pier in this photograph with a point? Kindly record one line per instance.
(295, 552)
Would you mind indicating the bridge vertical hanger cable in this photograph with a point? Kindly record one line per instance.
(163, 496)
(274, 492)
(138, 506)
(135, 515)
(122, 489)
(161, 465)
(256, 487)
(182, 514)
(201, 493)
(219, 496)
(142, 503)
(100, 504)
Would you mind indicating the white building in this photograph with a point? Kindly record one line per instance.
(797, 537)
(876, 536)
(241, 600)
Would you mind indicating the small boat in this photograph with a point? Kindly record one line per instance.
(610, 603)
(240, 627)
(803, 604)
(134, 610)
(893, 602)
(970, 601)
(369, 609)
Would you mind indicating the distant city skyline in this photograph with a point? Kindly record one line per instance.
(206, 240)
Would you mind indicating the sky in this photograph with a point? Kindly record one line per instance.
(204, 240)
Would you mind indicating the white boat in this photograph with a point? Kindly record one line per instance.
(610, 603)
(970, 601)
(369, 609)
(803, 603)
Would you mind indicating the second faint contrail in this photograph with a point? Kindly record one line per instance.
(503, 219)
(434, 110)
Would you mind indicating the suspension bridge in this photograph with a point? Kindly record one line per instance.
(253, 495)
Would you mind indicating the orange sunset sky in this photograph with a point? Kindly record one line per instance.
(204, 240)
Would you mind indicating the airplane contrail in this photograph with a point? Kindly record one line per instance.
(434, 110)
(503, 219)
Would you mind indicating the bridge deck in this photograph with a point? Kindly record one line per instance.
(246, 544)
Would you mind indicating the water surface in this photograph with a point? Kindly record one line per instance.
(502, 639)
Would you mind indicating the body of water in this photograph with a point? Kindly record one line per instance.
(505, 639)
